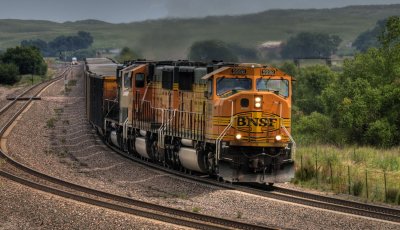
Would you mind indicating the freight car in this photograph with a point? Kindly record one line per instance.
(230, 120)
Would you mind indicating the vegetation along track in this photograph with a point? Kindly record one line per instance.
(49, 184)
(289, 195)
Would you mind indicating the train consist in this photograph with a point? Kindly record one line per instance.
(228, 120)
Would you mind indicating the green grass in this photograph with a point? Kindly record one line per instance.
(29, 80)
(50, 124)
(196, 209)
(171, 38)
(370, 173)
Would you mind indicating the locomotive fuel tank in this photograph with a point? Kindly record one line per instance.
(141, 148)
(192, 159)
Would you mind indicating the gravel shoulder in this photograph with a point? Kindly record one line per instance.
(71, 150)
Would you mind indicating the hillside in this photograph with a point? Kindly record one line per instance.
(171, 38)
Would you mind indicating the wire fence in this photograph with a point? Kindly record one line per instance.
(348, 178)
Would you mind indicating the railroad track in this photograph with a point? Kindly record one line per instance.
(25, 175)
(289, 195)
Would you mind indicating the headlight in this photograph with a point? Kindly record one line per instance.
(278, 137)
(238, 136)
(257, 101)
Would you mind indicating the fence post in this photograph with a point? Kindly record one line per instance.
(316, 167)
(384, 179)
(348, 173)
(330, 169)
(301, 167)
(366, 182)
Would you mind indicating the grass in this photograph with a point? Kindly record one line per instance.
(370, 173)
(29, 80)
(2, 161)
(58, 111)
(154, 41)
(72, 83)
(196, 209)
(50, 123)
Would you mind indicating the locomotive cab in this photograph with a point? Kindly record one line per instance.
(249, 108)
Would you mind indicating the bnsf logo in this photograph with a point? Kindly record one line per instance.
(261, 122)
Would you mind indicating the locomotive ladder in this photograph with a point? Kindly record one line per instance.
(164, 126)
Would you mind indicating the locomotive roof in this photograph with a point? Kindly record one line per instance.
(99, 61)
(207, 76)
(103, 70)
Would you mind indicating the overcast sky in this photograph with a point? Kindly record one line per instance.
(118, 11)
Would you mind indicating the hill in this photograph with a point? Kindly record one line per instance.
(171, 38)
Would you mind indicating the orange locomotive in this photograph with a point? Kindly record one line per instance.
(228, 120)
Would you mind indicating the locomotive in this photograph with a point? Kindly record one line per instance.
(229, 120)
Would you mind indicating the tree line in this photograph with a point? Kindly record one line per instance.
(303, 45)
(21, 60)
(60, 44)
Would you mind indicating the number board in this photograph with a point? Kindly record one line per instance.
(265, 72)
(239, 71)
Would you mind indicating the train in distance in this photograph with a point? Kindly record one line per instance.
(74, 61)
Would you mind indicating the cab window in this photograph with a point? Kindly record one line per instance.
(127, 80)
(139, 80)
(229, 86)
(278, 86)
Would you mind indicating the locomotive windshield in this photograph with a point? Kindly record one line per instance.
(230, 85)
(279, 86)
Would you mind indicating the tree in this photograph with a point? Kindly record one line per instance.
(28, 59)
(62, 43)
(243, 53)
(364, 101)
(9, 74)
(126, 54)
(310, 45)
(210, 50)
(40, 44)
(83, 53)
(311, 81)
(369, 38)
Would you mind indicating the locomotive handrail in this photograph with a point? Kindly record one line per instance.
(145, 92)
(223, 133)
(290, 137)
(164, 125)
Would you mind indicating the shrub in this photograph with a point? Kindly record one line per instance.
(9, 74)
(380, 133)
(51, 123)
(314, 128)
(306, 171)
(357, 187)
(392, 195)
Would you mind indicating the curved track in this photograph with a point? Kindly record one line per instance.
(37, 180)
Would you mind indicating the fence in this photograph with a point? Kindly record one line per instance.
(343, 176)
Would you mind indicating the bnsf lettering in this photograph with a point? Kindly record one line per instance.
(262, 122)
